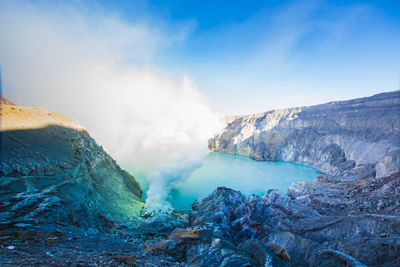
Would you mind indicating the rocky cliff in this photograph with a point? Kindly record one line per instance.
(341, 138)
(66, 202)
(52, 171)
(319, 223)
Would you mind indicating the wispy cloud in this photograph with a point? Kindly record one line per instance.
(303, 53)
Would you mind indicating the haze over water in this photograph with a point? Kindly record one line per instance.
(233, 171)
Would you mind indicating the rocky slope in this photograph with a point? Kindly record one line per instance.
(322, 223)
(65, 202)
(339, 138)
(53, 171)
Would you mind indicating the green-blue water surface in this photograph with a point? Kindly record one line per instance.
(237, 172)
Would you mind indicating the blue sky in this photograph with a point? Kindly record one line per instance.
(252, 56)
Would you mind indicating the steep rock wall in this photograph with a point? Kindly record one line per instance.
(53, 171)
(359, 136)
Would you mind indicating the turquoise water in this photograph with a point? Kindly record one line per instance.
(237, 172)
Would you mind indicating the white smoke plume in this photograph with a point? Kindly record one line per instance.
(99, 70)
(160, 184)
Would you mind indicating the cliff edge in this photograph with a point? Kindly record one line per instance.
(359, 137)
(52, 171)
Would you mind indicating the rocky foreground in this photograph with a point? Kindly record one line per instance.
(65, 202)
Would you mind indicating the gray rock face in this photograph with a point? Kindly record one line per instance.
(339, 138)
(325, 222)
(344, 228)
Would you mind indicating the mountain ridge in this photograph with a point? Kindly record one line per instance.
(331, 137)
(62, 170)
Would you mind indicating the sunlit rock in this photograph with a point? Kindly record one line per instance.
(337, 138)
(53, 171)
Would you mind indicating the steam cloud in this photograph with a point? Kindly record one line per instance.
(97, 69)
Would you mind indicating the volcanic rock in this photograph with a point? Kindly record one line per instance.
(341, 138)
